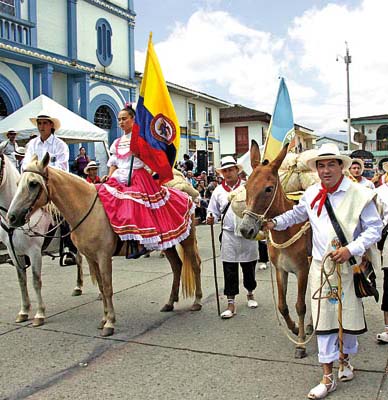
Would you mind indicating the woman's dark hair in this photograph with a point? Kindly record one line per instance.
(129, 109)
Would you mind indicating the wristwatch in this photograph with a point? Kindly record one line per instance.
(273, 220)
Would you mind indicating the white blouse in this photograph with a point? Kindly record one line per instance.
(121, 158)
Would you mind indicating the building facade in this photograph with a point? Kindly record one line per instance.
(78, 52)
(372, 134)
(239, 125)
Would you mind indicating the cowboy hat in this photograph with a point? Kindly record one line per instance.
(329, 151)
(11, 132)
(20, 151)
(359, 162)
(91, 165)
(385, 166)
(46, 115)
(227, 162)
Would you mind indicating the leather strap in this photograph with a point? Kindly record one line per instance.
(337, 228)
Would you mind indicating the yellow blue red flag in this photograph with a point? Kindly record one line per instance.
(156, 132)
(281, 128)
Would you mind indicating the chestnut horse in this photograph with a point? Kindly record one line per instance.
(265, 198)
(23, 244)
(78, 202)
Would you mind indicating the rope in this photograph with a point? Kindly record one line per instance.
(319, 298)
(292, 240)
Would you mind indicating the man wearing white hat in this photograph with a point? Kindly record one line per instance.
(47, 142)
(356, 170)
(357, 214)
(234, 248)
(10, 146)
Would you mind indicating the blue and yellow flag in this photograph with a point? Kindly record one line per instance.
(156, 132)
(281, 128)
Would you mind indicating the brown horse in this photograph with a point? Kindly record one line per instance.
(78, 202)
(265, 198)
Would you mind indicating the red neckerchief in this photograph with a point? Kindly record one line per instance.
(228, 188)
(96, 179)
(323, 194)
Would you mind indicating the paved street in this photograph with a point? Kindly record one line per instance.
(153, 355)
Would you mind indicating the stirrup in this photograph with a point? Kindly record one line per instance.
(135, 254)
(345, 374)
(323, 389)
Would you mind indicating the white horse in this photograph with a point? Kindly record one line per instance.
(23, 244)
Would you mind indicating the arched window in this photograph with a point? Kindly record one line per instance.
(103, 118)
(3, 109)
(382, 138)
(104, 42)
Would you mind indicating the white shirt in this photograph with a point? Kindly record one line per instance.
(382, 193)
(367, 183)
(123, 164)
(368, 230)
(57, 148)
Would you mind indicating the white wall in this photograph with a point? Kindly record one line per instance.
(60, 88)
(52, 26)
(227, 136)
(87, 16)
(24, 9)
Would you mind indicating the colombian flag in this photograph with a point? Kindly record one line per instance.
(156, 132)
(281, 128)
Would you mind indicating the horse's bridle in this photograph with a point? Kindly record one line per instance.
(261, 217)
(46, 179)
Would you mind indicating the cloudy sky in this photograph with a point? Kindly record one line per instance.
(237, 49)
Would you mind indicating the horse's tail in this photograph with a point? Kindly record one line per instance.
(187, 276)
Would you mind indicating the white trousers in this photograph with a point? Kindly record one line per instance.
(328, 346)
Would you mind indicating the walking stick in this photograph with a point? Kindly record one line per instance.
(336, 244)
(215, 267)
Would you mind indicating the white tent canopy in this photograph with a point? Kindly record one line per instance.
(74, 129)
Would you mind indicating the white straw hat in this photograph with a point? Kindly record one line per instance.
(45, 115)
(329, 151)
(227, 162)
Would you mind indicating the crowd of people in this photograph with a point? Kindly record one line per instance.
(154, 218)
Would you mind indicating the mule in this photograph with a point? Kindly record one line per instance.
(78, 202)
(25, 244)
(265, 198)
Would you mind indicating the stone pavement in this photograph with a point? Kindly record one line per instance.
(153, 355)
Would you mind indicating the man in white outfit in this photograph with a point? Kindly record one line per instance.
(358, 217)
(356, 170)
(234, 248)
(48, 142)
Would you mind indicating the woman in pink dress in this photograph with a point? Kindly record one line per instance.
(138, 207)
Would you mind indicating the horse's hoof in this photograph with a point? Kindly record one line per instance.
(167, 308)
(21, 318)
(77, 292)
(309, 330)
(295, 330)
(300, 352)
(107, 332)
(37, 322)
(101, 325)
(196, 307)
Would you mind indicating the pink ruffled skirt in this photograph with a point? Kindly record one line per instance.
(154, 215)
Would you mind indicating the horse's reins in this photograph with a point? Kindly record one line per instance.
(261, 217)
(37, 234)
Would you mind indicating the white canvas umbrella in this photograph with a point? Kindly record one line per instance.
(74, 129)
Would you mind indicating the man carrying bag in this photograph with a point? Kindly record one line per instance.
(357, 214)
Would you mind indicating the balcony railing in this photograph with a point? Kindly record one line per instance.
(15, 30)
(379, 145)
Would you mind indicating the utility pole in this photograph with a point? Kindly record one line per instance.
(348, 60)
